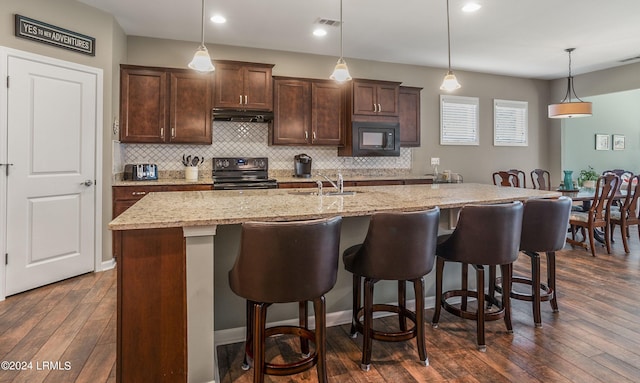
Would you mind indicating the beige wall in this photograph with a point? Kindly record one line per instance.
(475, 163)
(110, 50)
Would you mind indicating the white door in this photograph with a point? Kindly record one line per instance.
(51, 144)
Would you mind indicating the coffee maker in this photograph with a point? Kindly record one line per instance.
(302, 166)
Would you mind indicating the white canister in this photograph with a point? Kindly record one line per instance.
(191, 173)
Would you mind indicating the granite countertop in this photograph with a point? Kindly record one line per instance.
(206, 208)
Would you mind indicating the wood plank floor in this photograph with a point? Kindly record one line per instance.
(594, 338)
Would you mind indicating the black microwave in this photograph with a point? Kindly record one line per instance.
(375, 139)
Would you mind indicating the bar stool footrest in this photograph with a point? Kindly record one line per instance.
(398, 336)
(488, 315)
(301, 365)
(544, 297)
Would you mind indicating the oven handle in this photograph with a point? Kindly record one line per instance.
(241, 186)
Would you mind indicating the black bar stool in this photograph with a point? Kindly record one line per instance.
(283, 262)
(484, 235)
(544, 229)
(400, 247)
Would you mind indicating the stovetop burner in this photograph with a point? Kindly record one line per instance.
(233, 173)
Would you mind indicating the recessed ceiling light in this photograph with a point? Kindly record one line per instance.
(218, 19)
(471, 7)
(319, 32)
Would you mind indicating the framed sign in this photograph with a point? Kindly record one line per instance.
(31, 29)
(618, 142)
(602, 142)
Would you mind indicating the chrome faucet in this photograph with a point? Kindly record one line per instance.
(339, 186)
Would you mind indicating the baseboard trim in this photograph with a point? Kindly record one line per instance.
(338, 318)
(108, 265)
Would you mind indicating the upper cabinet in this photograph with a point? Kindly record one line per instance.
(241, 85)
(375, 98)
(409, 107)
(308, 112)
(163, 105)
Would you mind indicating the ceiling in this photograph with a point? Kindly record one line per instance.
(523, 38)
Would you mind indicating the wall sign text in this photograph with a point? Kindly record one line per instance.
(50, 34)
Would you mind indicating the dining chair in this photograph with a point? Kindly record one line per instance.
(597, 216)
(541, 179)
(522, 177)
(506, 178)
(627, 215)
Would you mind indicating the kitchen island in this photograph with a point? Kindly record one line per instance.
(171, 270)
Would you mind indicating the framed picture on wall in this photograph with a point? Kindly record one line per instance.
(618, 142)
(602, 142)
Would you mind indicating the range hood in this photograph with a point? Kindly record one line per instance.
(241, 115)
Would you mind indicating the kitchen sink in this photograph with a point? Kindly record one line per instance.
(330, 194)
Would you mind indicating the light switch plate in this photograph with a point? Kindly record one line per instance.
(435, 161)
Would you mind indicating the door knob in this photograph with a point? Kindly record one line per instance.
(87, 183)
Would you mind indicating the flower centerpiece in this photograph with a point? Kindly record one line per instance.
(588, 178)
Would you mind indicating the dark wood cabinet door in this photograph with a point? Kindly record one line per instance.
(143, 105)
(258, 88)
(327, 113)
(240, 85)
(229, 79)
(364, 98)
(387, 99)
(375, 98)
(190, 108)
(409, 108)
(291, 123)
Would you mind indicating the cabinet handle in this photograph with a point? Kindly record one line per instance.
(306, 135)
(314, 136)
(240, 99)
(161, 132)
(245, 99)
(173, 132)
(138, 193)
(375, 108)
(379, 108)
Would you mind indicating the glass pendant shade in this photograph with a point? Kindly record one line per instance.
(341, 72)
(201, 60)
(450, 82)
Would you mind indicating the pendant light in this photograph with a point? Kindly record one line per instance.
(201, 60)
(341, 72)
(567, 108)
(450, 81)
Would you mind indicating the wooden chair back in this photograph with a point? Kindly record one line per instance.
(506, 178)
(606, 188)
(630, 206)
(541, 179)
(522, 177)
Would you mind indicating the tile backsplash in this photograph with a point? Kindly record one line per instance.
(248, 139)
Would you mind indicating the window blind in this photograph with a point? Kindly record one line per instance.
(510, 123)
(459, 120)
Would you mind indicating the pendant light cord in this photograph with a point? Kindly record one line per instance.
(448, 37)
(341, 38)
(202, 41)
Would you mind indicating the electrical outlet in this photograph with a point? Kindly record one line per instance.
(435, 161)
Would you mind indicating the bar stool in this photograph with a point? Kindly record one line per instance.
(399, 246)
(281, 262)
(484, 235)
(544, 227)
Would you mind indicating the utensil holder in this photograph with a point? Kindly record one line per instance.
(191, 173)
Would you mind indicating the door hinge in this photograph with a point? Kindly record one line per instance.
(7, 81)
(6, 258)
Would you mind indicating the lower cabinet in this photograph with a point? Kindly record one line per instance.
(123, 197)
